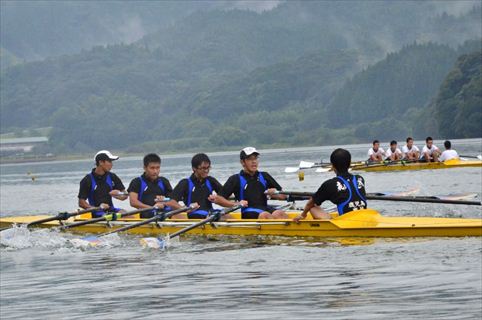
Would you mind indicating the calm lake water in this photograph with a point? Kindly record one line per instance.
(43, 277)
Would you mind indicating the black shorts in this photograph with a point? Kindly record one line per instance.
(196, 216)
(148, 214)
(254, 214)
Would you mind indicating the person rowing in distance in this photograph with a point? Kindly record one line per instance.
(150, 189)
(200, 188)
(393, 153)
(251, 189)
(345, 190)
(410, 151)
(430, 152)
(375, 153)
(448, 153)
(99, 186)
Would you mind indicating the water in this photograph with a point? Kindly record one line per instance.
(43, 276)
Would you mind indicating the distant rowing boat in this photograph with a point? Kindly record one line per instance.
(363, 223)
(396, 166)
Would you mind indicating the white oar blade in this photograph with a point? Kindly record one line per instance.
(154, 243)
(323, 169)
(291, 169)
(306, 164)
(479, 157)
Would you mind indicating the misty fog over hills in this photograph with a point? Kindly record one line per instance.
(192, 75)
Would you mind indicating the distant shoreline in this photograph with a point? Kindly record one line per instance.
(187, 153)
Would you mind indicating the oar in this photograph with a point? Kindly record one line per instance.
(60, 216)
(428, 199)
(160, 243)
(306, 165)
(93, 240)
(382, 164)
(107, 217)
(473, 157)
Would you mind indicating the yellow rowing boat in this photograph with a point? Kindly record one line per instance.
(363, 223)
(454, 163)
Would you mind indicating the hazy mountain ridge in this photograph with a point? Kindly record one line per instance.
(239, 77)
(457, 106)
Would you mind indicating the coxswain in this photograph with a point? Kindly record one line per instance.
(430, 152)
(99, 186)
(251, 189)
(448, 153)
(345, 190)
(149, 189)
(410, 151)
(375, 153)
(200, 188)
(393, 153)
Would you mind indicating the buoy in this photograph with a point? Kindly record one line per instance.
(301, 175)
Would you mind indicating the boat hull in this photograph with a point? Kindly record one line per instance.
(455, 163)
(363, 223)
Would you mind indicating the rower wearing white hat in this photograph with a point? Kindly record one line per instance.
(99, 186)
(251, 188)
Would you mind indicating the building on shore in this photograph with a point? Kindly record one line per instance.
(21, 146)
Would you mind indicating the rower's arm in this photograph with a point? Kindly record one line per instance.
(84, 204)
(173, 204)
(119, 194)
(223, 202)
(134, 201)
(272, 194)
(308, 206)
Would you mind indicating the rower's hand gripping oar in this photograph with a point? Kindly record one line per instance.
(93, 240)
(161, 243)
(60, 217)
(427, 199)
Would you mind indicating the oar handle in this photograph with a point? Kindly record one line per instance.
(295, 193)
(63, 216)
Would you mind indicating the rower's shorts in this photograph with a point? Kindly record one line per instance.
(254, 215)
(101, 213)
(194, 215)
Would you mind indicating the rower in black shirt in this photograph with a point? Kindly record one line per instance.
(345, 190)
(99, 186)
(251, 188)
(149, 189)
(199, 188)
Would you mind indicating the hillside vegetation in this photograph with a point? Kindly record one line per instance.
(303, 73)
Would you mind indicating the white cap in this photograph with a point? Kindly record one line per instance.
(105, 155)
(246, 152)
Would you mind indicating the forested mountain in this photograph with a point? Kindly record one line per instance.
(241, 40)
(458, 106)
(396, 88)
(231, 77)
(64, 27)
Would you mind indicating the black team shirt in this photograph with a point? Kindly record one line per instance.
(200, 193)
(101, 192)
(254, 192)
(153, 190)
